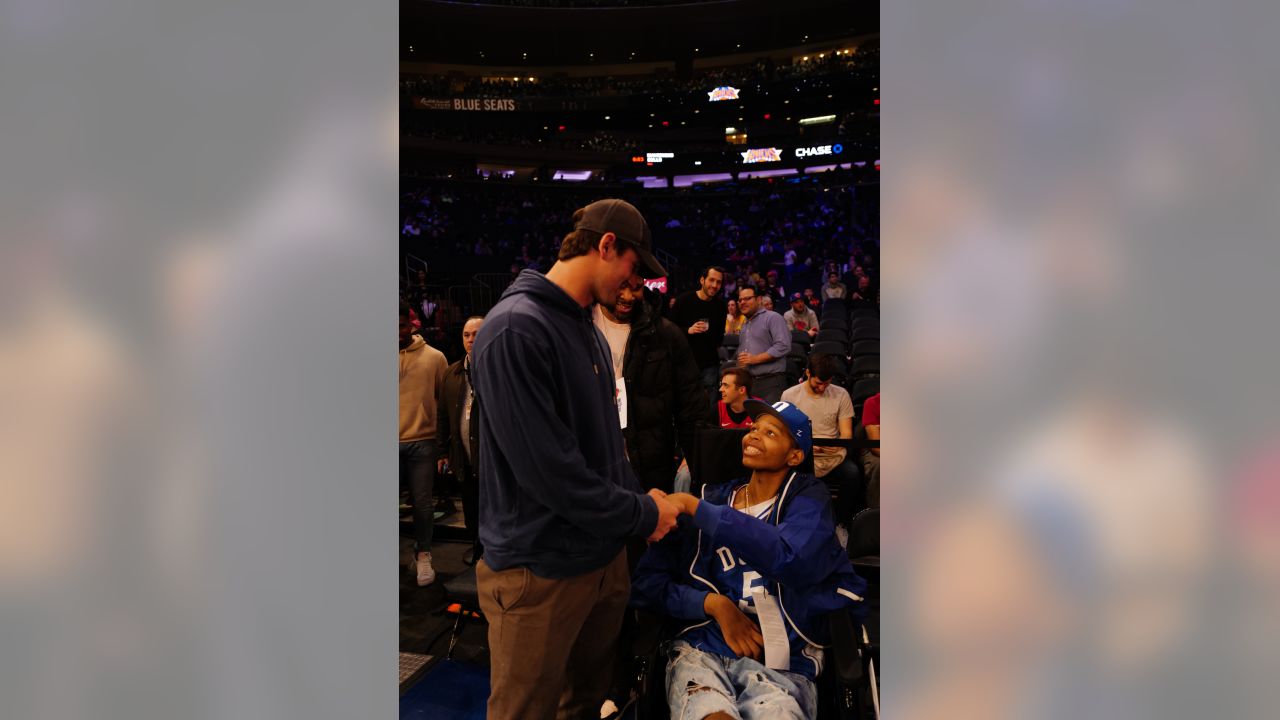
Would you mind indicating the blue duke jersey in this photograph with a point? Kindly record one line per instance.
(735, 579)
(785, 546)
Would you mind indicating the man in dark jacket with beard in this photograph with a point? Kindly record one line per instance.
(659, 388)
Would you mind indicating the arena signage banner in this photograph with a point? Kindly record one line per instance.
(658, 285)
(759, 155)
(723, 92)
(819, 150)
(466, 104)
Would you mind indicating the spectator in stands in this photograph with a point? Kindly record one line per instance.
(658, 384)
(745, 539)
(731, 286)
(695, 313)
(766, 302)
(771, 287)
(830, 409)
(790, 262)
(557, 498)
(834, 289)
(871, 456)
(422, 371)
(800, 317)
(763, 346)
(812, 300)
(733, 319)
(459, 433)
(864, 296)
(735, 389)
(661, 402)
(429, 308)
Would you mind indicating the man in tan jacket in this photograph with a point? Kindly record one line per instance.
(422, 370)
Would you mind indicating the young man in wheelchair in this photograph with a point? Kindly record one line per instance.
(771, 535)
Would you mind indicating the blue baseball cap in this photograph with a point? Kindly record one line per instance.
(791, 416)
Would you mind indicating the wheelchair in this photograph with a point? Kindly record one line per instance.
(848, 686)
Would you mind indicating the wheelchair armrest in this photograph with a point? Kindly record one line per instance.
(649, 632)
(846, 646)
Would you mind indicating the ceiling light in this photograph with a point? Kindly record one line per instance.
(817, 119)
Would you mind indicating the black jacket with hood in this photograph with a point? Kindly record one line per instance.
(665, 398)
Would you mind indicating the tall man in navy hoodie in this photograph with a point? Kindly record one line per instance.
(558, 498)
(749, 550)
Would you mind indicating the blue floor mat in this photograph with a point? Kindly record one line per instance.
(452, 691)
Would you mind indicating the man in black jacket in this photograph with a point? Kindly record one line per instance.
(458, 432)
(700, 316)
(658, 384)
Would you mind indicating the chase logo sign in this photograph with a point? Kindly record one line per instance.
(819, 150)
(760, 155)
(724, 92)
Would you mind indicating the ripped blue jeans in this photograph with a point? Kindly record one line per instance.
(700, 683)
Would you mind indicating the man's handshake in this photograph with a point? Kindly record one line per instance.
(669, 509)
(667, 514)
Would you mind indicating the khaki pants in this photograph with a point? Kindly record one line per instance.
(551, 642)
(871, 467)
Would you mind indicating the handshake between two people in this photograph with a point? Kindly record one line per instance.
(670, 507)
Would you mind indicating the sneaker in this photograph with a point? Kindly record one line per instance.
(842, 534)
(422, 566)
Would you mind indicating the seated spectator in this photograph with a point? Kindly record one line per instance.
(834, 289)
(772, 288)
(734, 320)
(800, 317)
(830, 409)
(871, 456)
(735, 390)
(766, 301)
(742, 542)
(812, 300)
(865, 295)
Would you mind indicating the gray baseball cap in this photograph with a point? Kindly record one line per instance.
(622, 219)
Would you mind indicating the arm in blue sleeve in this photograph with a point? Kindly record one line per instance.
(662, 583)
(796, 552)
(536, 440)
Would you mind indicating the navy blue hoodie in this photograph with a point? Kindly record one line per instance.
(557, 494)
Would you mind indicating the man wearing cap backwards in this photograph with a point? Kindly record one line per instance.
(800, 317)
(771, 534)
(558, 498)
